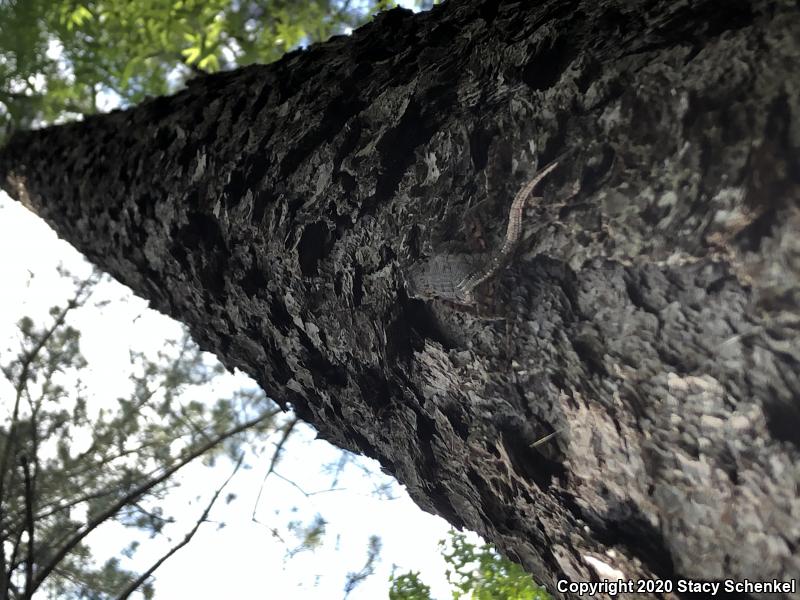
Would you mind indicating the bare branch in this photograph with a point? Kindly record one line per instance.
(305, 493)
(344, 458)
(287, 431)
(187, 538)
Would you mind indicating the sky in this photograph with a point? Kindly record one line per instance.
(243, 559)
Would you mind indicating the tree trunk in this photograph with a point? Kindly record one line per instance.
(648, 318)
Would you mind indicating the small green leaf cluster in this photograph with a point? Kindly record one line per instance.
(475, 572)
(61, 58)
(408, 586)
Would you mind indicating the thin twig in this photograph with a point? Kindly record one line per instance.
(187, 538)
(287, 431)
(547, 438)
(305, 493)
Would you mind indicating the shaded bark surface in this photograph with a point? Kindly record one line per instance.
(649, 318)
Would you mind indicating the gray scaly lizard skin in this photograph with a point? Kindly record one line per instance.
(454, 277)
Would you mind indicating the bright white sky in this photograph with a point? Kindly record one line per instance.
(242, 560)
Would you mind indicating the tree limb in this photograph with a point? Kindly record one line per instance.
(140, 490)
(187, 538)
(287, 431)
(26, 360)
(30, 525)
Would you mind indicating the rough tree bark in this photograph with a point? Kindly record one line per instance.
(649, 317)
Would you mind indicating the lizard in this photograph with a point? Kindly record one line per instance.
(454, 277)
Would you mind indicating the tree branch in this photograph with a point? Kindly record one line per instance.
(30, 525)
(135, 494)
(187, 538)
(26, 360)
(287, 431)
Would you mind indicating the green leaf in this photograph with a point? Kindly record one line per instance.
(209, 63)
(78, 16)
(191, 54)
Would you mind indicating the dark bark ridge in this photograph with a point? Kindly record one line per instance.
(650, 320)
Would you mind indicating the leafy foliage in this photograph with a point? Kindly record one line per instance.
(479, 572)
(476, 572)
(309, 536)
(409, 586)
(63, 58)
